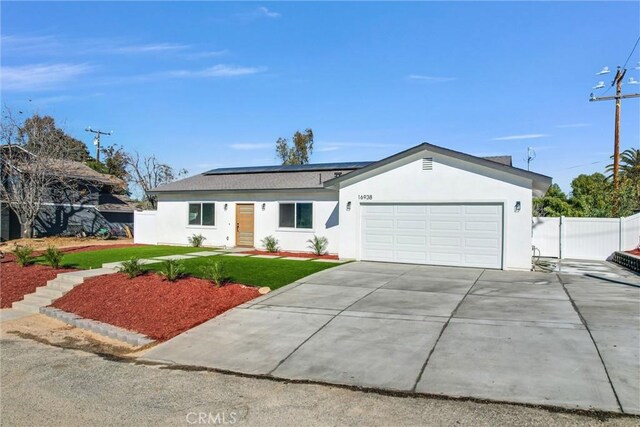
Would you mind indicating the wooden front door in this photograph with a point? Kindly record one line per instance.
(244, 225)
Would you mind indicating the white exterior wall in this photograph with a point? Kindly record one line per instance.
(173, 227)
(450, 181)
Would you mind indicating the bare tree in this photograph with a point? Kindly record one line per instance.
(32, 169)
(147, 172)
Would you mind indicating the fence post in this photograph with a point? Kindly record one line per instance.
(560, 236)
(620, 234)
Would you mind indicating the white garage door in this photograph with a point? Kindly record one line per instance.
(466, 235)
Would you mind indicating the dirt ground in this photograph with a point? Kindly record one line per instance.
(60, 242)
(50, 331)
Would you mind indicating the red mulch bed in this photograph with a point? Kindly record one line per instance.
(292, 254)
(16, 281)
(151, 305)
(635, 252)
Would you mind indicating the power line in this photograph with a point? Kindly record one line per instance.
(619, 96)
(632, 50)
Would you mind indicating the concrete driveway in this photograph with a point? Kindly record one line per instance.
(537, 338)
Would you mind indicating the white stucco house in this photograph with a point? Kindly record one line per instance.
(426, 205)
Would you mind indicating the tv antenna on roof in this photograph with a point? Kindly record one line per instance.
(531, 154)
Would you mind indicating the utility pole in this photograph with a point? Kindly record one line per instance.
(531, 154)
(96, 140)
(617, 82)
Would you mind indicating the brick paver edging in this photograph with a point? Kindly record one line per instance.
(132, 338)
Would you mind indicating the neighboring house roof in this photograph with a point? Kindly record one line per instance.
(77, 170)
(115, 203)
(540, 183)
(311, 176)
(505, 160)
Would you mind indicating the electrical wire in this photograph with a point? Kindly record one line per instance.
(625, 63)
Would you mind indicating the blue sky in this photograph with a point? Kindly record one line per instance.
(205, 85)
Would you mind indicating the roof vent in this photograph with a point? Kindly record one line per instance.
(427, 164)
(337, 174)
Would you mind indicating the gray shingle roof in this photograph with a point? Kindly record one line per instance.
(252, 181)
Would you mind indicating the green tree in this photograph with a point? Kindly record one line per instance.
(299, 152)
(38, 128)
(553, 203)
(592, 195)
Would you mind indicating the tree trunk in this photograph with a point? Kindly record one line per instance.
(27, 230)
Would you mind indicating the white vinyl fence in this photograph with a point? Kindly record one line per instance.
(585, 238)
(144, 223)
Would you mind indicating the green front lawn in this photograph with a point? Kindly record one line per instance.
(95, 259)
(273, 273)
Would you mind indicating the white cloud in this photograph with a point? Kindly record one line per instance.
(251, 146)
(220, 70)
(40, 76)
(147, 48)
(206, 54)
(574, 125)
(432, 79)
(518, 137)
(263, 11)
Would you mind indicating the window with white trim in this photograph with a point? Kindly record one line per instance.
(202, 214)
(296, 215)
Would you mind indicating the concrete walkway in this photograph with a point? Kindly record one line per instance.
(536, 338)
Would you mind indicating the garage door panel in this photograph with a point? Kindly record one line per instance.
(414, 240)
(458, 234)
(411, 225)
(446, 225)
(445, 209)
(482, 210)
(482, 226)
(411, 210)
(475, 243)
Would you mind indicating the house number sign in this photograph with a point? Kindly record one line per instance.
(365, 197)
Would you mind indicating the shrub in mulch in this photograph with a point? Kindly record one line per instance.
(150, 305)
(16, 281)
(292, 254)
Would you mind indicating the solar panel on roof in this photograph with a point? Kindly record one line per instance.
(288, 168)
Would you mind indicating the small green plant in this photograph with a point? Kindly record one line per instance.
(196, 240)
(53, 256)
(23, 255)
(318, 245)
(172, 270)
(216, 273)
(132, 268)
(270, 243)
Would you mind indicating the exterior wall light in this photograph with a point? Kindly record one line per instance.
(226, 206)
(264, 205)
(348, 206)
(517, 206)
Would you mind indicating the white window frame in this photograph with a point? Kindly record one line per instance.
(201, 215)
(295, 216)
